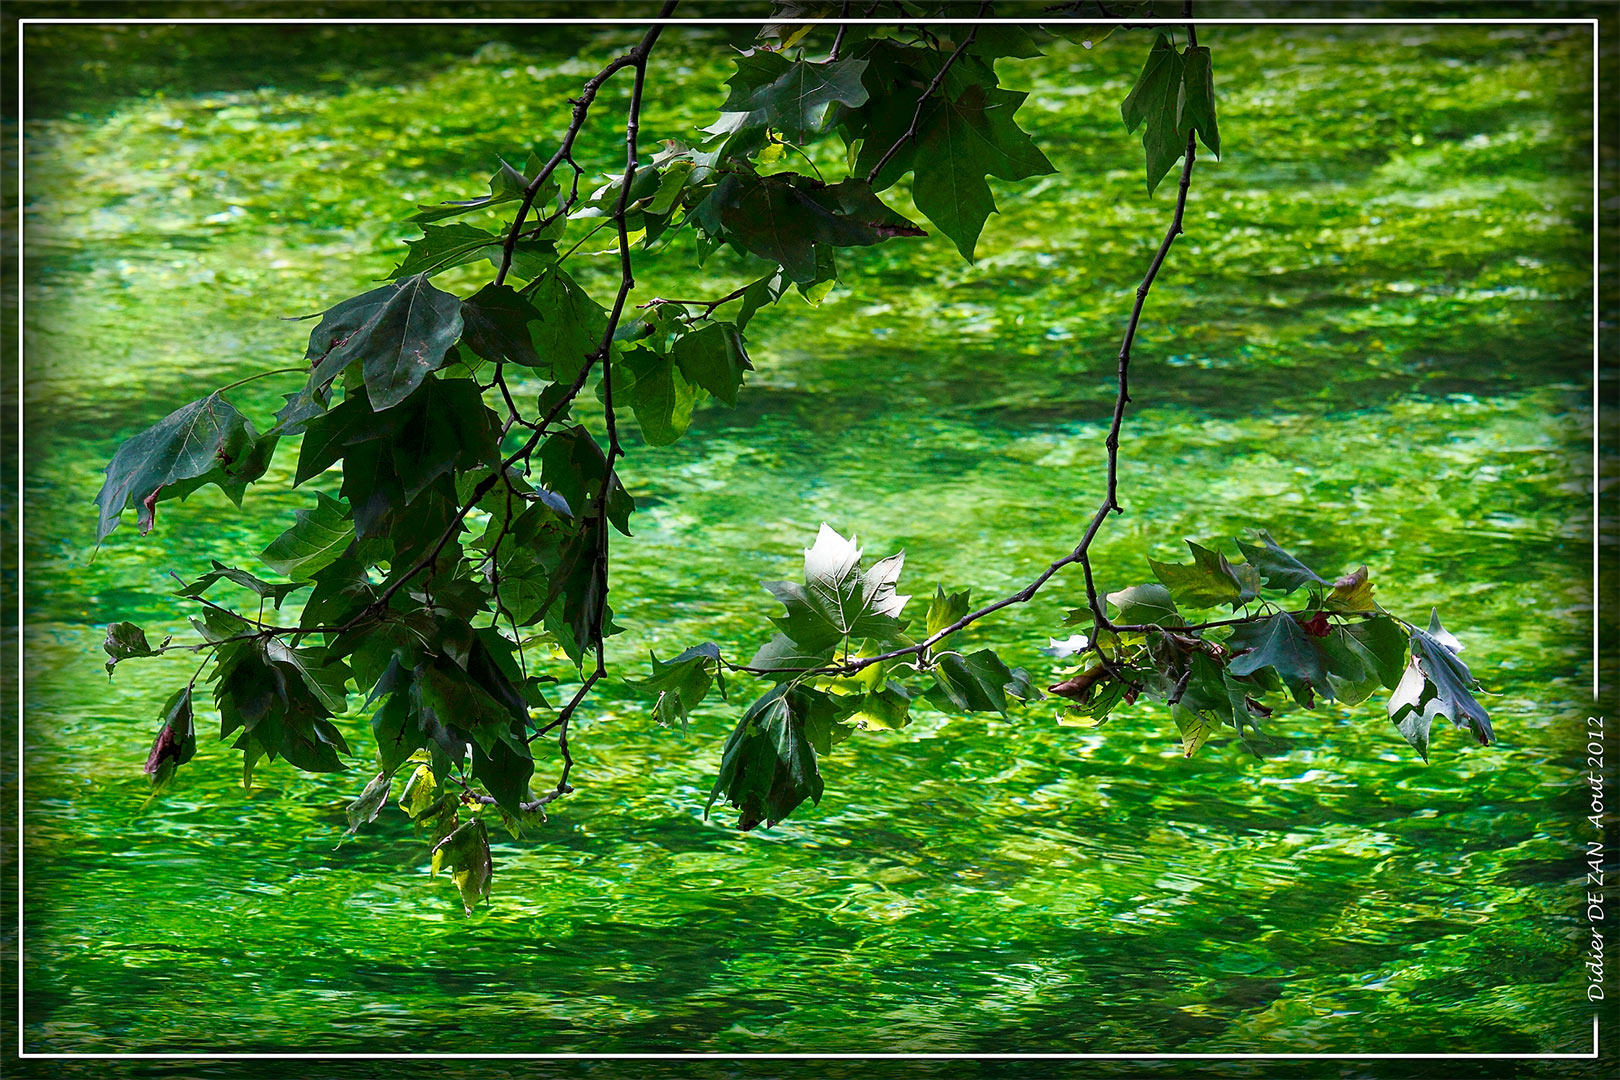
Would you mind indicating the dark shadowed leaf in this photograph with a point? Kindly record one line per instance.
(495, 325)
(397, 333)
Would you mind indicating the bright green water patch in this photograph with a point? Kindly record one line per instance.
(1372, 341)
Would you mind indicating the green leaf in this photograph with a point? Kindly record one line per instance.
(795, 220)
(176, 741)
(1280, 570)
(443, 428)
(505, 186)
(681, 684)
(125, 640)
(979, 682)
(946, 608)
(712, 357)
(838, 601)
(1143, 605)
(372, 487)
(885, 709)
(1352, 593)
(314, 542)
(466, 853)
(1280, 644)
(363, 810)
(783, 654)
(505, 769)
(398, 333)
(395, 727)
(1437, 684)
(495, 325)
(572, 465)
(328, 437)
(205, 442)
(420, 794)
(1385, 645)
(441, 247)
(324, 675)
(571, 324)
(1154, 100)
(1209, 581)
(960, 143)
(1351, 667)
(274, 592)
(768, 765)
(799, 98)
(1195, 729)
(762, 293)
(1195, 108)
(662, 398)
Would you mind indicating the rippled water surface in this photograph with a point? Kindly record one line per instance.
(1373, 341)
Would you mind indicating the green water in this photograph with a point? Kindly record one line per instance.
(1373, 340)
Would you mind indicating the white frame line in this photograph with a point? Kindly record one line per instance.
(23, 1054)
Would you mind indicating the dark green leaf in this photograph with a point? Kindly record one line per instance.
(662, 398)
(1436, 684)
(1385, 644)
(124, 640)
(398, 333)
(505, 186)
(441, 247)
(1279, 643)
(315, 540)
(205, 442)
(573, 465)
(275, 592)
(1209, 581)
(960, 143)
(712, 357)
(681, 683)
(978, 682)
(504, 769)
(444, 427)
(837, 600)
(799, 98)
(1144, 605)
(788, 219)
(1153, 101)
(328, 437)
(1280, 570)
(394, 725)
(768, 766)
(571, 324)
(495, 325)
(1195, 109)
(783, 654)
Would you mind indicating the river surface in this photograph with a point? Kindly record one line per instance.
(1374, 341)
